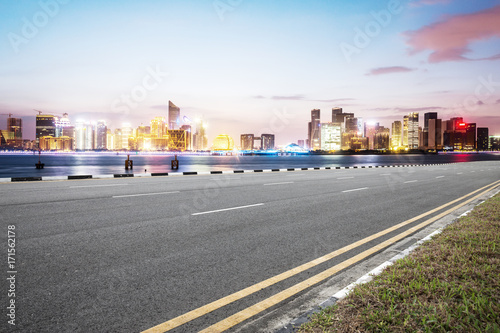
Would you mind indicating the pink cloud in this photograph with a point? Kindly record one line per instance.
(389, 70)
(449, 39)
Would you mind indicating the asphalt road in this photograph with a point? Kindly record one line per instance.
(124, 255)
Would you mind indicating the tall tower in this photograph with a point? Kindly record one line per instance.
(413, 130)
(315, 130)
(396, 134)
(174, 116)
(101, 135)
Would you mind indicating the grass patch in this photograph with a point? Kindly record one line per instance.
(449, 284)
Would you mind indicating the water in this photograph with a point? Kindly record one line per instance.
(62, 164)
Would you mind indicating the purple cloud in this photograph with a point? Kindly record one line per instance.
(389, 70)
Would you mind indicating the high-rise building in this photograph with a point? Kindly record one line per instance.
(413, 140)
(315, 130)
(188, 136)
(127, 132)
(428, 116)
(434, 134)
(158, 127)
(470, 136)
(482, 138)
(331, 136)
(494, 143)
(405, 131)
(369, 132)
(45, 126)
(246, 141)
(338, 116)
(381, 139)
(267, 141)
(396, 134)
(101, 135)
(174, 116)
(301, 143)
(15, 126)
(118, 139)
(200, 141)
(110, 140)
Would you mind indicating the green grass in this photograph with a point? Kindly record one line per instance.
(449, 284)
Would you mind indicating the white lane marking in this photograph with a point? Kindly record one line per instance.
(81, 186)
(356, 189)
(225, 209)
(278, 183)
(440, 177)
(143, 194)
(345, 178)
(411, 181)
(460, 173)
(473, 171)
(385, 174)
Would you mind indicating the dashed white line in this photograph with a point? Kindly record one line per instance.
(385, 174)
(411, 181)
(345, 178)
(473, 171)
(356, 189)
(226, 209)
(460, 173)
(98, 185)
(270, 184)
(143, 194)
(440, 177)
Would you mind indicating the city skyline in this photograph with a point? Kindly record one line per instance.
(250, 67)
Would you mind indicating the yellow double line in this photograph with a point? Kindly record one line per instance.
(279, 297)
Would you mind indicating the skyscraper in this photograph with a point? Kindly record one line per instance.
(413, 130)
(45, 126)
(174, 116)
(315, 130)
(482, 138)
(158, 127)
(396, 134)
(428, 116)
(101, 135)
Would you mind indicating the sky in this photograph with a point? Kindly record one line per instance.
(250, 66)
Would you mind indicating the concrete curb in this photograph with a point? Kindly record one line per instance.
(193, 173)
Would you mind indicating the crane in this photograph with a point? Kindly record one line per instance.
(5, 114)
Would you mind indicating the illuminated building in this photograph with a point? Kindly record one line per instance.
(61, 124)
(110, 140)
(200, 141)
(331, 136)
(15, 126)
(370, 131)
(396, 135)
(381, 139)
(63, 143)
(158, 127)
(405, 131)
(470, 136)
(174, 116)
(267, 142)
(246, 141)
(482, 138)
(358, 143)
(223, 142)
(118, 138)
(84, 136)
(413, 141)
(176, 140)
(494, 142)
(101, 135)
(127, 132)
(45, 126)
(314, 130)
(188, 135)
(338, 116)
